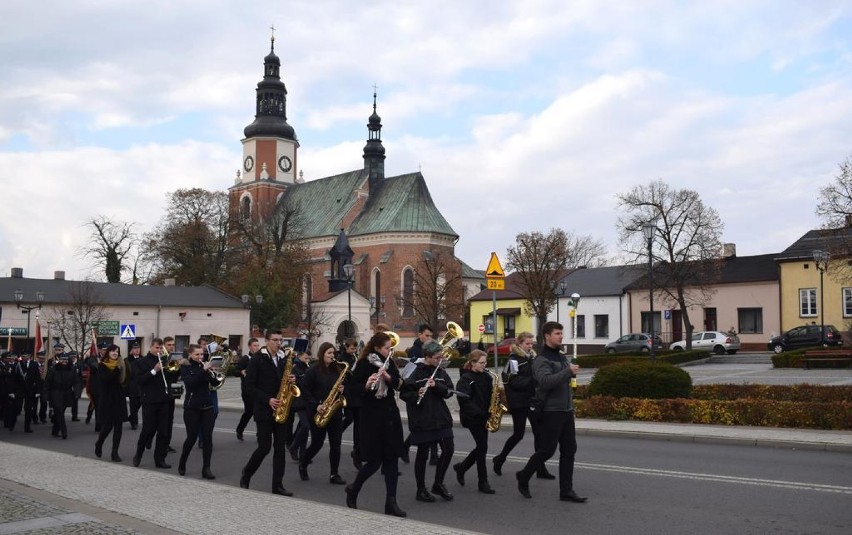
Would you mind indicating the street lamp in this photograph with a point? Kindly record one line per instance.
(821, 259)
(245, 299)
(562, 286)
(19, 297)
(573, 302)
(348, 269)
(648, 230)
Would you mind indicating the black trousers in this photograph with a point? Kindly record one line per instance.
(555, 428)
(30, 409)
(352, 415)
(198, 421)
(390, 468)
(299, 438)
(133, 415)
(423, 451)
(116, 429)
(42, 408)
(334, 430)
(13, 409)
(519, 426)
(268, 432)
(477, 455)
(59, 426)
(155, 421)
(171, 421)
(248, 412)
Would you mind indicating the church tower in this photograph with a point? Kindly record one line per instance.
(270, 147)
(374, 151)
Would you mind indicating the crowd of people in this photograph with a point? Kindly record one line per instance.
(300, 404)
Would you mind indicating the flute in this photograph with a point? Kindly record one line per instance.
(383, 366)
(431, 377)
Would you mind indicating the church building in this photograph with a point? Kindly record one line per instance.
(372, 239)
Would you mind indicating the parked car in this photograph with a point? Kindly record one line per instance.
(715, 341)
(805, 336)
(504, 347)
(635, 342)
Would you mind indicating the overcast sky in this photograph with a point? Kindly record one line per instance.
(521, 115)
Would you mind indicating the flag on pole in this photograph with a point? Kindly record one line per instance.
(93, 349)
(38, 345)
(9, 339)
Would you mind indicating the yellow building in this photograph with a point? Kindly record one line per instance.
(802, 300)
(511, 318)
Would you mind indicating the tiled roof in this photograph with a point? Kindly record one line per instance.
(470, 273)
(804, 247)
(734, 269)
(602, 281)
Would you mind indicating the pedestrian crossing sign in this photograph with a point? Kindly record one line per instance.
(128, 331)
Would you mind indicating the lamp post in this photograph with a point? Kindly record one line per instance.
(348, 270)
(19, 298)
(562, 286)
(575, 300)
(648, 230)
(821, 259)
(245, 299)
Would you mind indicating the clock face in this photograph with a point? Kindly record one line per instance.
(285, 164)
(248, 164)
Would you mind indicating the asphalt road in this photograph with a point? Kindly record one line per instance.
(635, 486)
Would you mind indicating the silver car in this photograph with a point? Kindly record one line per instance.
(715, 341)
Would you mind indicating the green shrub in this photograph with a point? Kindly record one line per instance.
(673, 357)
(641, 380)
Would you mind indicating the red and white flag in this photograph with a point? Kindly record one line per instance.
(38, 343)
(93, 349)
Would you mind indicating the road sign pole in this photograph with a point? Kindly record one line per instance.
(494, 328)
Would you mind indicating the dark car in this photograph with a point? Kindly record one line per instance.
(805, 336)
(634, 342)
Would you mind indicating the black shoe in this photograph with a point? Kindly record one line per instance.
(88, 419)
(294, 453)
(77, 420)
(391, 508)
(355, 460)
(97, 429)
(115, 458)
(485, 488)
(162, 464)
(28, 430)
(200, 445)
(335, 479)
(134, 427)
(303, 472)
(281, 491)
(459, 473)
(405, 458)
(441, 490)
(64, 436)
(351, 497)
(98, 449)
(206, 473)
(423, 495)
(137, 459)
(573, 497)
(182, 468)
(433, 461)
(148, 445)
(523, 486)
(245, 479)
(170, 449)
(498, 465)
(240, 436)
(55, 433)
(544, 474)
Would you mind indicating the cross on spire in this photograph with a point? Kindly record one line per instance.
(272, 40)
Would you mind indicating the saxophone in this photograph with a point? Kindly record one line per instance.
(496, 409)
(286, 392)
(333, 401)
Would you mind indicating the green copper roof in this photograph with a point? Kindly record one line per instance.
(401, 204)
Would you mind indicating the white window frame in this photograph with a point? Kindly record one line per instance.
(807, 298)
(847, 302)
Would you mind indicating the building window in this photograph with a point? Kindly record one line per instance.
(847, 302)
(807, 302)
(601, 326)
(750, 320)
(508, 326)
(581, 326)
(646, 325)
(245, 207)
(408, 293)
(181, 343)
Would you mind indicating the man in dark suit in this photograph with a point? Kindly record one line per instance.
(156, 397)
(248, 402)
(131, 387)
(263, 380)
(32, 387)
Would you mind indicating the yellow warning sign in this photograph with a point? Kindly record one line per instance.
(494, 269)
(495, 284)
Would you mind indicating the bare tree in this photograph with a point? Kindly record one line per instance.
(314, 322)
(686, 248)
(110, 244)
(835, 209)
(73, 321)
(541, 260)
(437, 294)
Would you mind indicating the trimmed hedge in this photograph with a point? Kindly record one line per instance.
(797, 393)
(641, 380)
(674, 357)
(795, 358)
(755, 412)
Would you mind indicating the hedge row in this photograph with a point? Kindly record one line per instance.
(754, 412)
(798, 392)
(674, 357)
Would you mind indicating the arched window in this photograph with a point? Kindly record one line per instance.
(408, 293)
(245, 207)
(376, 289)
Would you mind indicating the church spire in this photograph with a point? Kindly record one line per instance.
(271, 101)
(374, 151)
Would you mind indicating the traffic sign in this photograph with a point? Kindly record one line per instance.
(128, 331)
(106, 328)
(496, 284)
(494, 269)
(481, 328)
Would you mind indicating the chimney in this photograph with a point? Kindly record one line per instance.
(169, 282)
(17, 273)
(59, 275)
(729, 250)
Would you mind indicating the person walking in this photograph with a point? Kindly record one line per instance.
(112, 407)
(60, 387)
(197, 408)
(248, 403)
(474, 400)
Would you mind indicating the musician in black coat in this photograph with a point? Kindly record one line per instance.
(520, 389)
(32, 387)
(425, 393)
(263, 379)
(154, 389)
(131, 387)
(112, 407)
(298, 439)
(476, 384)
(197, 408)
(380, 433)
(14, 391)
(248, 403)
(60, 383)
(316, 386)
(75, 364)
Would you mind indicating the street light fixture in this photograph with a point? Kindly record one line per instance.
(19, 297)
(648, 230)
(562, 287)
(573, 302)
(348, 270)
(821, 259)
(376, 307)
